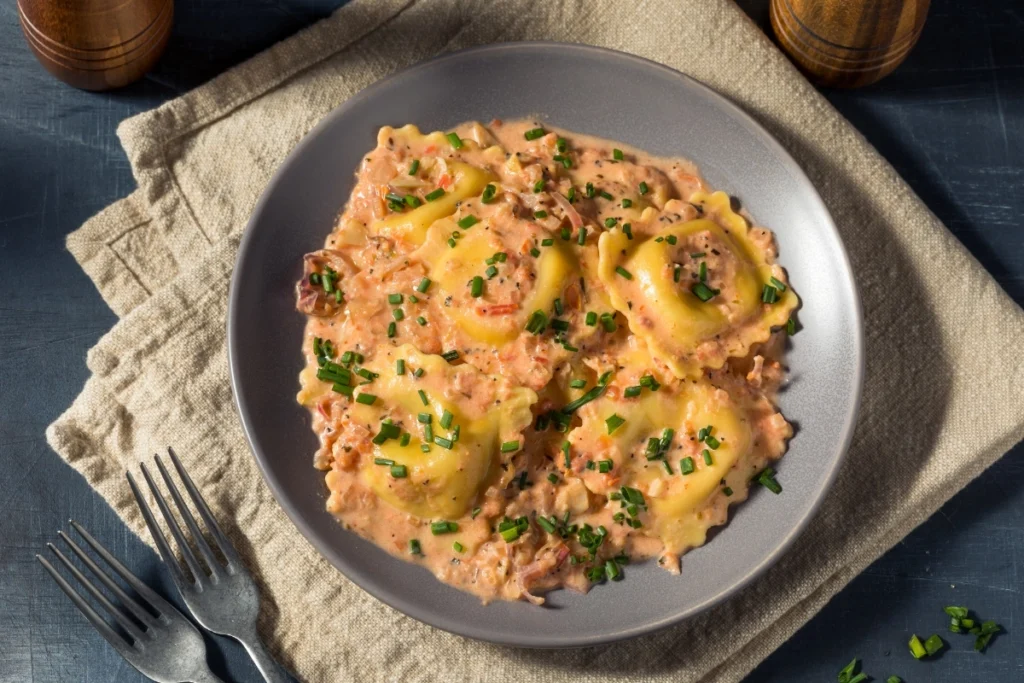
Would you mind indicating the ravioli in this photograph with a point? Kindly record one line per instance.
(534, 356)
(444, 475)
(695, 291)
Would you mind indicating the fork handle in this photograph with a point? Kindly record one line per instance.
(271, 670)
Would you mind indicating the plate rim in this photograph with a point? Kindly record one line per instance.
(329, 552)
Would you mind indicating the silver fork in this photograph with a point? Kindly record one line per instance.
(223, 598)
(168, 648)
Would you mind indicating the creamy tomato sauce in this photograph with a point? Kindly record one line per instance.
(534, 356)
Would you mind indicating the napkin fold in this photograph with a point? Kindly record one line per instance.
(942, 394)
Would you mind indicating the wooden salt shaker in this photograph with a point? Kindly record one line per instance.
(847, 43)
(97, 44)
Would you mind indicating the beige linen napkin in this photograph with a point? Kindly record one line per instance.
(942, 397)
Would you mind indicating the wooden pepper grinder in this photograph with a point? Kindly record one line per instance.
(847, 43)
(97, 44)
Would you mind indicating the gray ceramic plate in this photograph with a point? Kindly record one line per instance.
(611, 95)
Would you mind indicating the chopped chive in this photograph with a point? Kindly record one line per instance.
(450, 355)
(578, 383)
(586, 398)
(343, 389)
(565, 232)
(392, 329)
(627, 228)
(491, 272)
(404, 441)
(561, 144)
(769, 294)
(916, 647)
(400, 367)
(458, 547)
(421, 320)
(623, 272)
(686, 465)
(509, 446)
(455, 140)
(419, 373)
(702, 271)
(423, 394)
(423, 285)
(412, 201)
(488, 194)
(610, 222)
(534, 133)
(500, 257)
(543, 522)
(727, 491)
(604, 466)
(314, 278)
(436, 194)
(424, 418)
(476, 511)
(395, 299)
(627, 203)
(538, 186)
(697, 254)
(414, 166)
(560, 325)
(632, 392)
(666, 439)
(443, 527)
(591, 318)
(671, 239)
(767, 480)
(589, 191)
(553, 478)
(558, 306)
(398, 314)
(510, 534)
(707, 457)
(383, 461)
(565, 453)
(425, 447)
(443, 442)
(703, 292)
(606, 195)
(643, 188)
(777, 284)
(608, 322)
(614, 422)
(446, 419)
(581, 237)
(933, 644)
(399, 471)
(547, 242)
(452, 242)
(537, 322)
(476, 286)
(677, 271)
(711, 441)
(366, 374)
(414, 547)
(534, 252)
(659, 240)
(571, 194)
(790, 327)
(703, 432)
(455, 433)
(564, 160)
(428, 432)
(540, 214)
(467, 222)
(617, 154)
(366, 399)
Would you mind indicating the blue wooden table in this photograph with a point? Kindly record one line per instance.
(951, 120)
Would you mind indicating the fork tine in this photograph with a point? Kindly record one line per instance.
(133, 606)
(204, 511)
(161, 605)
(158, 536)
(172, 524)
(190, 521)
(98, 596)
(101, 625)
